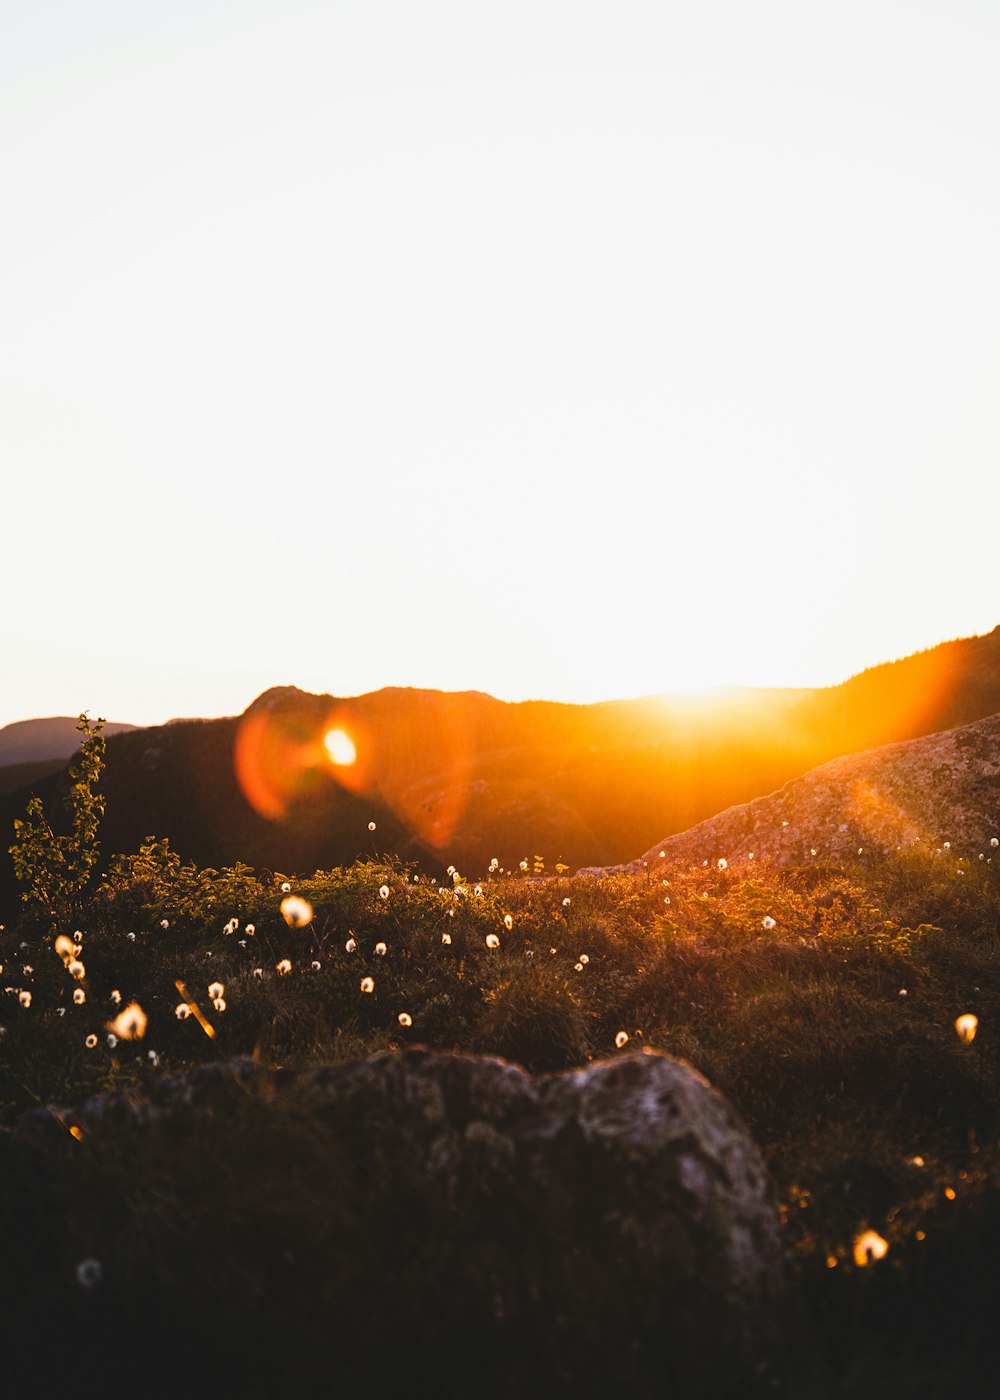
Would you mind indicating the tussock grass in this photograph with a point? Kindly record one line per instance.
(842, 1077)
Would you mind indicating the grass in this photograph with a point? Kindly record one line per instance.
(869, 1109)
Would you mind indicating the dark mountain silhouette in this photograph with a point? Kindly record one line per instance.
(461, 777)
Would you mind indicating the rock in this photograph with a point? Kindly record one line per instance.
(448, 1225)
(945, 787)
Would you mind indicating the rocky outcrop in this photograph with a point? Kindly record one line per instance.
(943, 788)
(483, 1232)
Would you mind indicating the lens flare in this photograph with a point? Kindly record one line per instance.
(340, 747)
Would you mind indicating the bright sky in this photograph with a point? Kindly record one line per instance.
(542, 347)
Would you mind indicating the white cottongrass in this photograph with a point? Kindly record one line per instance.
(383, 891)
(284, 967)
(621, 1039)
(368, 984)
(296, 912)
(380, 950)
(966, 1027)
(130, 1023)
(216, 989)
(492, 941)
(768, 922)
(405, 1019)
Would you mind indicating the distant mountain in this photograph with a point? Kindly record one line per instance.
(461, 778)
(944, 788)
(35, 740)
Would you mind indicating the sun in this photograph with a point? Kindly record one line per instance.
(340, 747)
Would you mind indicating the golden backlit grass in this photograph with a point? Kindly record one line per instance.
(823, 1002)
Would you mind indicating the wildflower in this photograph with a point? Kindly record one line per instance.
(79, 996)
(446, 938)
(585, 958)
(258, 972)
(451, 871)
(130, 937)
(508, 922)
(350, 946)
(183, 1011)
(315, 966)
(284, 967)
(994, 842)
(368, 984)
(216, 989)
(164, 923)
(153, 1058)
(666, 899)
(492, 941)
(478, 891)
(76, 969)
(380, 950)
(578, 967)
(405, 1019)
(297, 912)
(90, 1042)
(566, 902)
(219, 1003)
(869, 1246)
(371, 826)
(286, 888)
(383, 891)
(524, 865)
(812, 850)
(130, 1023)
(116, 997)
(768, 922)
(916, 1162)
(24, 998)
(231, 926)
(663, 855)
(112, 1040)
(723, 863)
(250, 930)
(902, 991)
(966, 1026)
(88, 1273)
(621, 1039)
(947, 845)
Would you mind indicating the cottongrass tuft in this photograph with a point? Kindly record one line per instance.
(368, 984)
(966, 1027)
(296, 912)
(869, 1246)
(130, 1023)
(492, 941)
(284, 967)
(621, 1039)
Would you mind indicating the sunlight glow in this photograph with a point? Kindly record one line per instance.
(340, 747)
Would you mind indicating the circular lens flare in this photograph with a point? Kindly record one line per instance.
(340, 747)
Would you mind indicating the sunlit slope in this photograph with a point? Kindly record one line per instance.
(940, 792)
(462, 778)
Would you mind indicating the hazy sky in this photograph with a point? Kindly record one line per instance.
(554, 349)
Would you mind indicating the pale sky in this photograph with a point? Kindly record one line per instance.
(554, 349)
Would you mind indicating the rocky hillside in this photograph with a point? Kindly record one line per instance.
(942, 791)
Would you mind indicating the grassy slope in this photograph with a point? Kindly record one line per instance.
(843, 1080)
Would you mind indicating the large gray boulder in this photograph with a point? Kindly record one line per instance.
(439, 1224)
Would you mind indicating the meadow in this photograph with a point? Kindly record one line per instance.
(821, 1000)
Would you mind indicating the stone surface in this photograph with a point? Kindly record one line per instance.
(945, 787)
(606, 1230)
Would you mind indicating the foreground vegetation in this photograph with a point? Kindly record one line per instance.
(822, 1001)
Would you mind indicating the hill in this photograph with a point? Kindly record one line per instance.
(941, 791)
(463, 778)
(39, 740)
